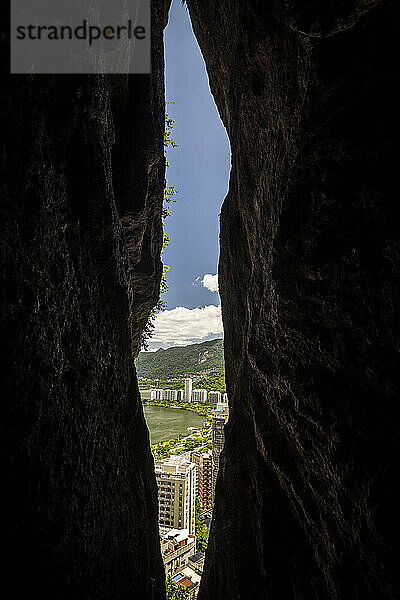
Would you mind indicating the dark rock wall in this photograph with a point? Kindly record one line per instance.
(305, 503)
(82, 170)
(306, 506)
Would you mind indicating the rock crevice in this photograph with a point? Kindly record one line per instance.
(82, 190)
(304, 502)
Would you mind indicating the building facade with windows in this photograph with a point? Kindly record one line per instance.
(199, 396)
(204, 488)
(156, 394)
(188, 389)
(177, 546)
(176, 480)
(222, 406)
(218, 419)
(214, 397)
(170, 395)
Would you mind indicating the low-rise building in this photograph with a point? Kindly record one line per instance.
(156, 394)
(188, 585)
(177, 545)
(199, 396)
(196, 562)
(214, 397)
(193, 575)
(180, 395)
(225, 398)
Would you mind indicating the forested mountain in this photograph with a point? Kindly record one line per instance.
(196, 359)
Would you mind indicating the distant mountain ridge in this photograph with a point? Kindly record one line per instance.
(196, 359)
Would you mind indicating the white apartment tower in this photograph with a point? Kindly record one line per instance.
(176, 480)
(214, 397)
(199, 396)
(188, 389)
(170, 395)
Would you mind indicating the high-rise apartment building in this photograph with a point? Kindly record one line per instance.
(188, 389)
(199, 396)
(218, 420)
(156, 394)
(204, 488)
(225, 398)
(176, 480)
(170, 395)
(214, 397)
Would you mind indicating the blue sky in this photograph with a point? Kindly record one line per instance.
(199, 168)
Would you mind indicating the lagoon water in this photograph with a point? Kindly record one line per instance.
(167, 423)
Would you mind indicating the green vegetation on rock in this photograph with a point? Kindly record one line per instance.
(169, 197)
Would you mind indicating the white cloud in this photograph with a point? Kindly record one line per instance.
(210, 282)
(182, 325)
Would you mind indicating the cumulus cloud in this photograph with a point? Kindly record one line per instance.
(182, 325)
(210, 282)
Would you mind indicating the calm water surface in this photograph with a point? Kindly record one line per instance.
(167, 423)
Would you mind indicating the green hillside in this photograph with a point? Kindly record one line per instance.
(197, 359)
(213, 383)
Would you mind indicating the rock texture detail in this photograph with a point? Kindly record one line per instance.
(82, 185)
(305, 501)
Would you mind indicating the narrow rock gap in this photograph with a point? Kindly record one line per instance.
(306, 506)
(199, 168)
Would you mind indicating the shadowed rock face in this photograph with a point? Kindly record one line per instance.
(305, 503)
(305, 506)
(82, 186)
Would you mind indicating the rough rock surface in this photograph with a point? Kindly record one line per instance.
(305, 501)
(82, 170)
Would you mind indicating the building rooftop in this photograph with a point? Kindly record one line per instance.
(203, 453)
(186, 583)
(176, 534)
(174, 465)
(220, 414)
(196, 557)
(192, 575)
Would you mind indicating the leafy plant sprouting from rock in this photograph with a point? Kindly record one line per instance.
(169, 197)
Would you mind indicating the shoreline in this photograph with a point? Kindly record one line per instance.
(179, 442)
